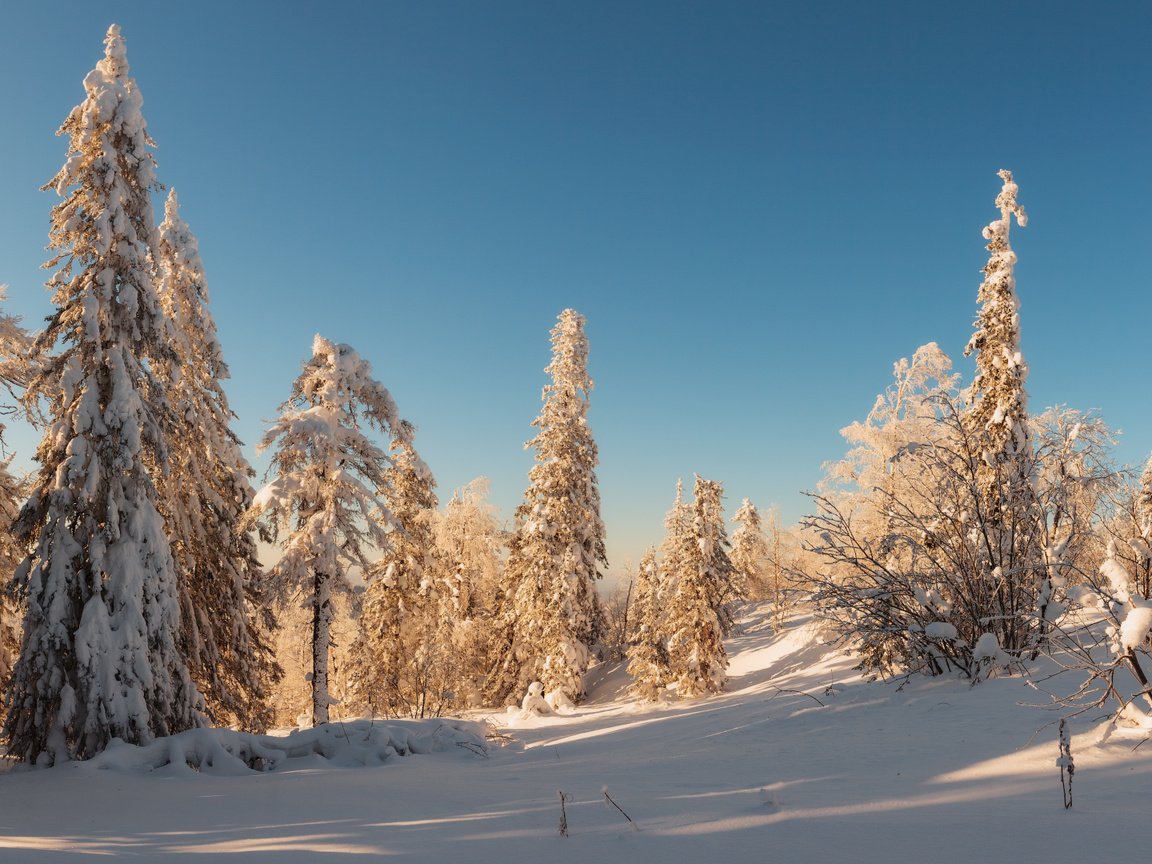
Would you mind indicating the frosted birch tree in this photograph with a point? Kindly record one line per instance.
(204, 495)
(469, 550)
(469, 565)
(1144, 505)
(551, 614)
(100, 654)
(1115, 659)
(328, 474)
(907, 415)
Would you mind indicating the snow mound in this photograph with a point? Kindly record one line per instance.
(350, 744)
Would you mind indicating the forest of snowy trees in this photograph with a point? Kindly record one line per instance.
(960, 534)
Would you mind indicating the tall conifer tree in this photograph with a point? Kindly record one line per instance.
(551, 614)
(13, 375)
(749, 553)
(1010, 551)
(204, 496)
(397, 646)
(11, 554)
(696, 623)
(648, 642)
(329, 476)
(999, 411)
(100, 653)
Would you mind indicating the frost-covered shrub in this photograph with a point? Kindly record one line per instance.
(963, 519)
(1108, 639)
(350, 744)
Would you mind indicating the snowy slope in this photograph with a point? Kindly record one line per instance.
(798, 760)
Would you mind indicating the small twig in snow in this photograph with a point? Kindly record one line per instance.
(801, 693)
(473, 747)
(608, 798)
(1067, 767)
(563, 814)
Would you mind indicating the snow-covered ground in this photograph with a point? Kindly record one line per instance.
(798, 760)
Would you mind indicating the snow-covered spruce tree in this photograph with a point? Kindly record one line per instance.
(696, 612)
(328, 475)
(1009, 518)
(648, 641)
(15, 366)
(676, 547)
(204, 496)
(14, 343)
(100, 653)
(999, 404)
(676, 550)
(399, 664)
(11, 554)
(550, 615)
(749, 553)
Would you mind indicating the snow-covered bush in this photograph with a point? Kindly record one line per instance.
(1108, 638)
(349, 744)
(968, 518)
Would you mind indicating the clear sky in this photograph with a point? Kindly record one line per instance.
(759, 206)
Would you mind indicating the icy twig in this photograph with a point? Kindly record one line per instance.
(1067, 767)
(608, 798)
(800, 693)
(563, 814)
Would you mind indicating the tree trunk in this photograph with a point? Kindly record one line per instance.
(321, 636)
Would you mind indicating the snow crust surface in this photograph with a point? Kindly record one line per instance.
(798, 760)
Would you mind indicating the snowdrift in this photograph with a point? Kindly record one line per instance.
(348, 744)
(799, 759)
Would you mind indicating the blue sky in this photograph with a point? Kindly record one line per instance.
(758, 207)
